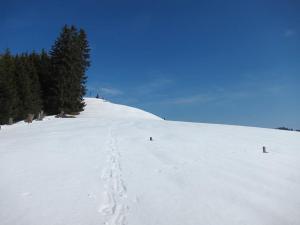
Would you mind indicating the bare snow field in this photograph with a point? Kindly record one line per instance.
(101, 168)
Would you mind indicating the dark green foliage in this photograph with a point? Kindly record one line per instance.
(284, 128)
(8, 89)
(42, 63)
(69, 59)
(28, 86)
(85, 59)
(30, 83)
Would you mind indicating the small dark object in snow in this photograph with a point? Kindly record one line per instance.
(151, 139)
(61, 114)
(29, 118)
(264, 149)
(64, 115)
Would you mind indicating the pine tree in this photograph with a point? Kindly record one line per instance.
(8, 89)
(54, 83)
(35, 86)
(69, 60)
(60, 70)
(44, 72)
(85, 61)
(23, 83)
(28, 86)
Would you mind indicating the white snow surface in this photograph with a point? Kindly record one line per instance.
(101, 168)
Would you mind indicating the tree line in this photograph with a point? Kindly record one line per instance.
(51, 82)
(288, 129)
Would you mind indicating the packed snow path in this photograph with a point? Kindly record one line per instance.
(114, 207)
(101, 169)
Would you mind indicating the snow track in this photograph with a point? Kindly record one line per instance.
(114, 207)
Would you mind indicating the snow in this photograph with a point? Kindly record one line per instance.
(101, 168)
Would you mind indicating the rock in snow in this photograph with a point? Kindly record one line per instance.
(101, 168)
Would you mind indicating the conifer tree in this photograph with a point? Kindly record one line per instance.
(23, 83)
(54, 83)
(43, 69)
(69, 61)
(35, 87)
(28, 86)
(85, 61)
(8, 89)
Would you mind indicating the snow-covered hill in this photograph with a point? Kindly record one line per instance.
(101, 168)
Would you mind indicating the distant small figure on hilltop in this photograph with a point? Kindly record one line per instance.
(264, 149)
(151, 139)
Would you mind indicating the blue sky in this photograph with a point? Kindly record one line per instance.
(232, 62)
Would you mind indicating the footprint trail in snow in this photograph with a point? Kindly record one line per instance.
(114, 207)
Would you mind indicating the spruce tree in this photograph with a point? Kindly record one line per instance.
(85, 61)
(43, 65)
(23, 82)
(35, 86)
(33, 82)
(69, 61)
(28, 86)
(8, 89)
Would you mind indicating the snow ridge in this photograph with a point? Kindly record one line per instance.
(114, 207)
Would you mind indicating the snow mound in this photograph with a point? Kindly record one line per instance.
(101, 168)
(103, 109)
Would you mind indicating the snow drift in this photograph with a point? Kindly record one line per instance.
(101, 168)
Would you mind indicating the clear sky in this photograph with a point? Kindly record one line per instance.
(232, 62)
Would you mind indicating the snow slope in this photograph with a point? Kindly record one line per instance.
(101, 168)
